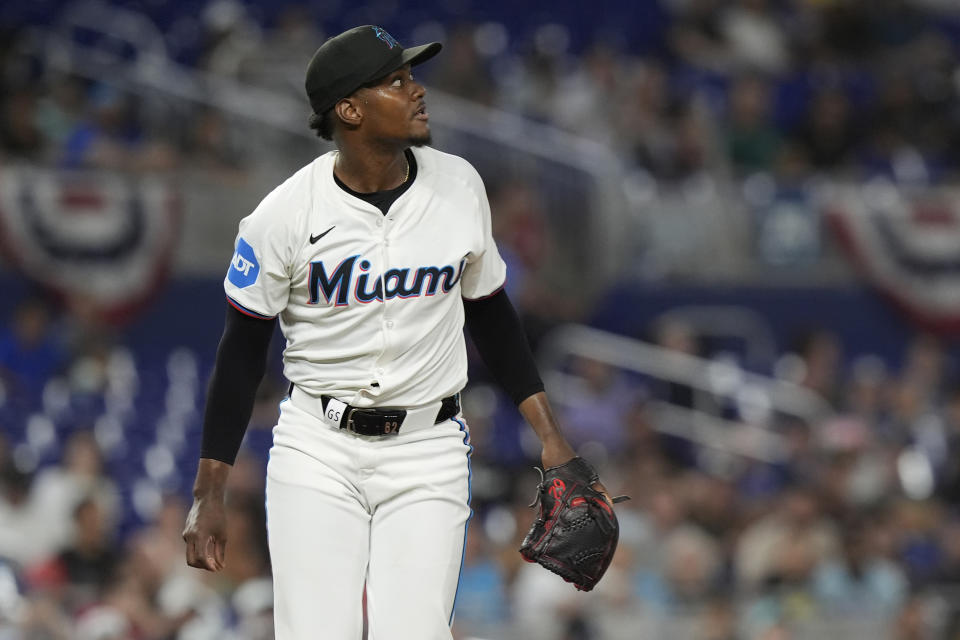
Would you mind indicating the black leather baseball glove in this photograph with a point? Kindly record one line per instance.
(576, 532)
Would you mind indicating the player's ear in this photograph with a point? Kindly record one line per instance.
(349, 111)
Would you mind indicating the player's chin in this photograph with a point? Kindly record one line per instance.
(420, 138)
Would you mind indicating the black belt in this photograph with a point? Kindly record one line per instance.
(384, 422)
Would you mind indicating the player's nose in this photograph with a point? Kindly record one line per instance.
(418, 91)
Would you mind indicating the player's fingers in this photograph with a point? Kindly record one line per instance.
(602, 489)
(198, 555)
(220, 549)
(213, 554)
(193, 556)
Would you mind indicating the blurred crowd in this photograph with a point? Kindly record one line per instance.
(66, 573)
(852, 525)
(95, 454)
(792, 87)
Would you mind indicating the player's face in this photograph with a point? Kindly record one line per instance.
(394, 109)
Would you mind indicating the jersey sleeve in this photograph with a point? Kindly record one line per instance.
(486, 271)
(258, 279)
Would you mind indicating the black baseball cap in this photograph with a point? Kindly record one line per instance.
(350, 60)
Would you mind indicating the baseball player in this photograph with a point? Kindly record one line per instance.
(372, 257)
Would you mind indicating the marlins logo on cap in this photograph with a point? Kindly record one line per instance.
(350, 60)
(386, 37)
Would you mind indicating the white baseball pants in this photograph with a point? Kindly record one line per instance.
(347, 513)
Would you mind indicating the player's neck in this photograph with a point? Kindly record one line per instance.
(368, 170)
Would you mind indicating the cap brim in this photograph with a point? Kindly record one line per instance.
(415, 55)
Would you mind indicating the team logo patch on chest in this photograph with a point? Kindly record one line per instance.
(352, 275)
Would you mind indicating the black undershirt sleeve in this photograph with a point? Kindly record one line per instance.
(240, 365)
(498, 335)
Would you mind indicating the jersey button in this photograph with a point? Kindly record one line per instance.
(379, 223)
(389, 324)
(380, 372)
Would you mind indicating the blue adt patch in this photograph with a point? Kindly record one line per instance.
(244, 267)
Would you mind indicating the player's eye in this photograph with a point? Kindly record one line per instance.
(397, 82)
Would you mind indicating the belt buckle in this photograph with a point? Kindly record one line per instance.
(348, 423)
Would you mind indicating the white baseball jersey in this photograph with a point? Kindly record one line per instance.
(370, 304)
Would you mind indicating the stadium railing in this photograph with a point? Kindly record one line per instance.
(716, 384)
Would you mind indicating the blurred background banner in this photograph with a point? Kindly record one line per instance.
(731, 230)
(906, 243)
(94, 239)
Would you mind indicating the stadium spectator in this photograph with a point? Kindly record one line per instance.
(586, 100)
(595, 411)
(31, 351)
(678, 336)
(20, 138)
(859, 580)
(786, 544)
(246, 530)
(60, 108)
(90, 559)
(158, 545)
(752, 141)
(689, 573)
(113, 137)
(58, 490)
(948, 486)
(461, 71)
(866, 390)
(829, 133)
(22, 528)
(483, 586)
(917, 544)
(212, 146)
(718, 621)
(272, 63)
(540, 276)
(820, 356)
(660, 512)
(231, 38)
(927, 366)
(697, 38)
(665, 134)
(755, 36)
(43, 617)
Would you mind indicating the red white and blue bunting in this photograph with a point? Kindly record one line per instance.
(101, 239)
(907, 244)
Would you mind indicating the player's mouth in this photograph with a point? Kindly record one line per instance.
(421, 113)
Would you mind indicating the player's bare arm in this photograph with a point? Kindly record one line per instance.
(538, 414)
(556, 450)
(205, 531)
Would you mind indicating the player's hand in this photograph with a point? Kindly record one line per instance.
(206, 533)
(555, 453)
(562, 452)
(598, 486)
